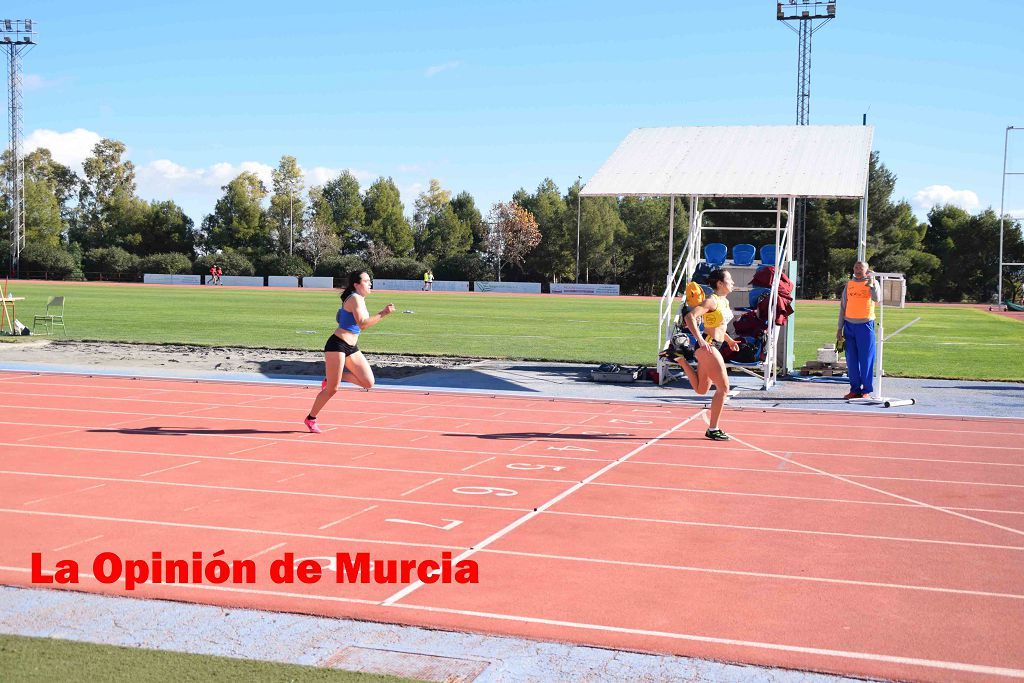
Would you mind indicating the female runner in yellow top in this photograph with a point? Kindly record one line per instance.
(710, 365)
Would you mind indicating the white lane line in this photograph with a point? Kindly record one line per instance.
(784, 530)
(536, 511)
(901, 329)
(242, 489)
(213, 527)
(778, 647)
(320, 441)
(265, 551)
(339, 521)
(87, 488)
(528, 443)
(72, 545)
(469, 467)
(246, 450)
(421, 486)
(761, 575)
(290, 462)
(362, 456)
(168, 469)
(883, 492)
(294, 476)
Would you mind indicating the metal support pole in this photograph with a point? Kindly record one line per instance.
(671, 237)
(579, 213)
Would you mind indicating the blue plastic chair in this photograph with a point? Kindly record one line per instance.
(743, 254)
(715, 253)
(755, 294)
(768, 255)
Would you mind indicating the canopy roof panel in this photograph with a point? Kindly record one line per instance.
(738, 161)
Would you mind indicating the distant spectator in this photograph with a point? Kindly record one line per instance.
(219, 273)
(428, 281)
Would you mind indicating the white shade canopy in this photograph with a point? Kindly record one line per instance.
(738, 161)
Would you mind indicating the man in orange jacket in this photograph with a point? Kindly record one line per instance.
(857, 329)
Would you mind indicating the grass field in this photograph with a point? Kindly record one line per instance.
(951, 342)
(45, 659)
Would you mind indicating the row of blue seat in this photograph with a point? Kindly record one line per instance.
(752, 296)
(742, 254)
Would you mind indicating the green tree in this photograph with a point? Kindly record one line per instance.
(646, 220)
(554, 257)
(429, 204)
(386, 224)
(446, 235)
(465, 208)
(238, 220)
(346, 207)
(166, 228)
(600, 228)
(109, 181)
(286, 205)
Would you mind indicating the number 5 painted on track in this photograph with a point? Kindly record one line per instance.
(484, 490)
(452, 523)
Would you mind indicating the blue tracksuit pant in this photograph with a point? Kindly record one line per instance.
(860, 355)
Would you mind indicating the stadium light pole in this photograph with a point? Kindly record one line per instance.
(579, 206)
(809, 16)
(16, 35)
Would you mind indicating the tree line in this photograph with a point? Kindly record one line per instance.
(96, 224)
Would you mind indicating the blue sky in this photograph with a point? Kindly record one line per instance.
(490, 97)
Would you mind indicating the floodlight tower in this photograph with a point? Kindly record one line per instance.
(16, 36)
(809, 16)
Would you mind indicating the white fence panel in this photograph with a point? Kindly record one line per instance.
(318, 282)
(507, 287)
(574, 288)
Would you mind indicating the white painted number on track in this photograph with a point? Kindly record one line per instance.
(452, 523)
(630, 422)
(570, 448)
(528, 466)
(484, 490)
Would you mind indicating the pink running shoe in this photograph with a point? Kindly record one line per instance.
(323, 384)
(311, 425)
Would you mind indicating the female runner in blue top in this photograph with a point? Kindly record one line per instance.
(352, 319)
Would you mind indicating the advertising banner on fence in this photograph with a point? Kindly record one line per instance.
(576, 288)
(167, 279)
(417, 285)
(507, 287)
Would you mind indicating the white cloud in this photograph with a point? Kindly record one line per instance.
(70, 149)
(37, 82)
(936, 195)
(447, 66)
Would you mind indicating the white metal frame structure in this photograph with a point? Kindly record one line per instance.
(774, 162)
(1002, 218)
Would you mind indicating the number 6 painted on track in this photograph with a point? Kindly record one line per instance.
(484, 490)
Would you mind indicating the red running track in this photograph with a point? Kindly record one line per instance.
(862, 544)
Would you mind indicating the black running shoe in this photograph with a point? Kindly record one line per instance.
(716, 435)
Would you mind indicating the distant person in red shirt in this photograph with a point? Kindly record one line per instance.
(219, 273)
(213, 275)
